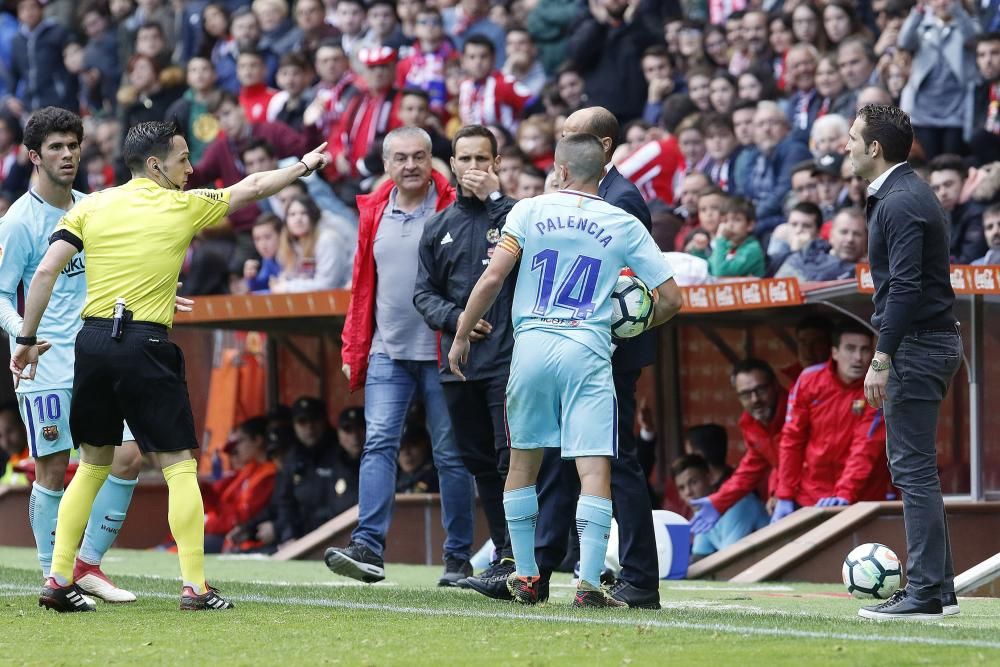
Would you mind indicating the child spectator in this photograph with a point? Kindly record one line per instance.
(530, 182)
(536, 140)
(257, 273)
(736, 252)
(802, 228)
(311, 258)
(711, 203)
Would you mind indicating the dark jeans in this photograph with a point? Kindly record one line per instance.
(476, 408)
(559, 487)
(922, 369)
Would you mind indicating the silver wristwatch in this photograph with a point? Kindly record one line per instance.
(879, 366)
(495, 195)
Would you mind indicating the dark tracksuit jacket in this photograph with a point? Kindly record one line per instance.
(455, 248)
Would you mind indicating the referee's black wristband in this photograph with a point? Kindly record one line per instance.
(308, 170)
(26, 340)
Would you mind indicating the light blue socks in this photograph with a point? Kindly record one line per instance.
(593, 525)
(43, 508)
(106, 518)
(520, 506)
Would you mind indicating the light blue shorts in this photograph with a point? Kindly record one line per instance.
(46, 420)
(561, 394)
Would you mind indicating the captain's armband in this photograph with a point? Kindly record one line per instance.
(510, 244)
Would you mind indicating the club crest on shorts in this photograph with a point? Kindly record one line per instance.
(50, 433)
(493, 236)
(858, 406)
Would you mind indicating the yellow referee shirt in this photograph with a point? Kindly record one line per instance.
(135, 237)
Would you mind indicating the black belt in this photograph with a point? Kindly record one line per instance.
(140, 325)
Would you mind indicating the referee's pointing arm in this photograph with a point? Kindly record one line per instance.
(168, 168)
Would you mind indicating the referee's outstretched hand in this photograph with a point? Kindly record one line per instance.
(23, 363)
(317, 158)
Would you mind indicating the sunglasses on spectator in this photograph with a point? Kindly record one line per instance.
(430, 21)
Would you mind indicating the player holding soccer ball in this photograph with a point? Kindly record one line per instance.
(560, 392)
(53, 138)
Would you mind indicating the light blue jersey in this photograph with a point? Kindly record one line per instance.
(574, 246)
(24, 240)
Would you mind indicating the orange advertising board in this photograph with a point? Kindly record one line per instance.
(965, 279)
(743, 295)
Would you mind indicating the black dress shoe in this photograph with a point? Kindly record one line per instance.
(635, 598)
(902, 607)
(949, 605)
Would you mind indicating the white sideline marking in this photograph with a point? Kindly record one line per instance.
(733, 589)
(618, 619)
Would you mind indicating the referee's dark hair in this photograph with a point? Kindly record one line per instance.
(750, 365)
(146, 139)
(48, 120)
(890, 127)
(475, 131)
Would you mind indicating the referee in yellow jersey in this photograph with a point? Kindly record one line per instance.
(134, 237)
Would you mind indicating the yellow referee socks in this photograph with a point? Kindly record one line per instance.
(74, 511)
(186, 516)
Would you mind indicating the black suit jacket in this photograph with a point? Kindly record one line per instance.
(635, 353)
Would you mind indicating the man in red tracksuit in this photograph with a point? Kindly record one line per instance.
(764, 403)
(833, 444)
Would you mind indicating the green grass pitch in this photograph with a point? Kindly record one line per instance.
(298, 613)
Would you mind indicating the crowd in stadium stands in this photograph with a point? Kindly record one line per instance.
(734, 114)
(734, 118)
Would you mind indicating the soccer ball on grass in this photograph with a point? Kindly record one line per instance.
(631, 307)
(872, 571)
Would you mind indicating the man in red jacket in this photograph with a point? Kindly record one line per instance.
(833, 444)
(764, 403)
(390, 351)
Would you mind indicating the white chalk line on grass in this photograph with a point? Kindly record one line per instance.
(618, 619)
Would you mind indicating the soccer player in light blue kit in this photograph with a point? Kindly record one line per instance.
(560, 392)
(52, 137)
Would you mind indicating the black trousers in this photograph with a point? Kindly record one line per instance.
(476, 408)
(921, 372)
(559, 487)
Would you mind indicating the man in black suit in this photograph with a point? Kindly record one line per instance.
(918, 351)
(638, 584)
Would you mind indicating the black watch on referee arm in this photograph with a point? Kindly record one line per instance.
(26, 340)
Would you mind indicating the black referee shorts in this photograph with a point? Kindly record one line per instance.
(138, 378)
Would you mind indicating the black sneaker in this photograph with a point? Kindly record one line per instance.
(949, 605)
(634, 597)
(357, 562)
(455, 570)
(492, 582)
(64, 599)
(210, 600)
(902, 607)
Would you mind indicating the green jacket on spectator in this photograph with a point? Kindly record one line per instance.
(746, 260)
